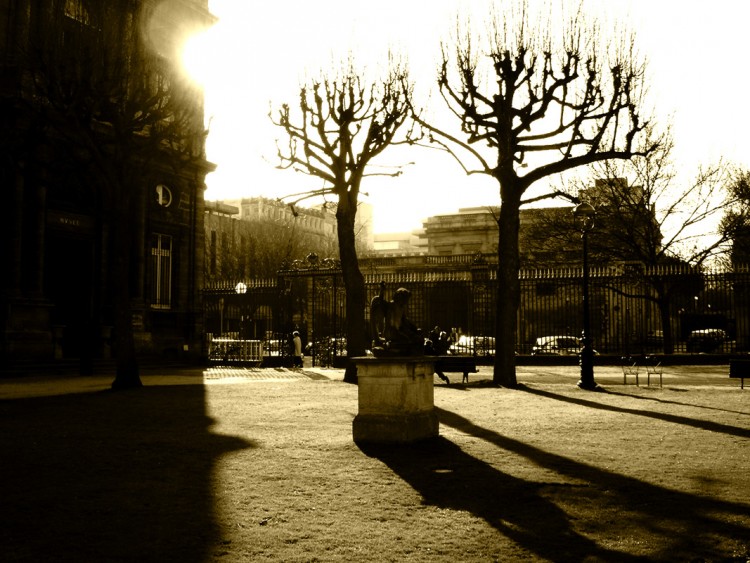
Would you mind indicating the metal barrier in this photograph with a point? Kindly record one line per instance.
(234, 350)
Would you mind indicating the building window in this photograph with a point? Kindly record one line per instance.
(161, 271)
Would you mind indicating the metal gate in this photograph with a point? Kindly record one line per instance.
(316, 307)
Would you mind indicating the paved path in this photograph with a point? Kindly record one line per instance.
(48, 385)
(221, 374)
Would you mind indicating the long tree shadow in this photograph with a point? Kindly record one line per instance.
(109, 476)
(695, 423)
(447, 477)
(670, 402)
(686, 526)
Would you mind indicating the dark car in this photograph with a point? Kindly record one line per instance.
(706, 340)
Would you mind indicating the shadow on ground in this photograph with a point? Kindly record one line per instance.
(109, 476)
(695, 423)
(658, 400)
(556, 520)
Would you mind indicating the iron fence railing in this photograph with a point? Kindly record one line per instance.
(634, 310)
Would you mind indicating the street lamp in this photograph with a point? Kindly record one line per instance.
(584, 214)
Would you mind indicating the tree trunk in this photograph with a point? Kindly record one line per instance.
(508, 294)
(354, 283)
(127, 372)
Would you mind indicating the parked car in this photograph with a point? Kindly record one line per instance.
(706, 340)
(474, 345)
(556, 346)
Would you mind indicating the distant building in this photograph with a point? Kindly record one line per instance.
(363, 227)
(470, 230)
(317, 223)
(395, 244)
(224, 231)
(548, 236)
(255, 236)
(474, 230)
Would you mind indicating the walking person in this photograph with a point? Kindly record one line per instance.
(440, 348)
(297, 344)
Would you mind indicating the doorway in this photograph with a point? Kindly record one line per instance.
(69, 267)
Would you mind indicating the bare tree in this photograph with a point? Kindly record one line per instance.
(120, 112)
(654, 221)
(342, 125)
(735, 225)
(547, 106)
(644, 216)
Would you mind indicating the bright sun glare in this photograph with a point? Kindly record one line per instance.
(246, 66)
(196, 57)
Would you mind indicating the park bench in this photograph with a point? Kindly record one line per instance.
(456, 364)
(739, 369)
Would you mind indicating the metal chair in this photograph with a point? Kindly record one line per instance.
(653, 367)
(629, 367)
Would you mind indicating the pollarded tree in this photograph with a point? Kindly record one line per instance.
(341, 126)
(547, 106)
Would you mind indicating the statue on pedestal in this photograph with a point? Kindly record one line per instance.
(394, 334)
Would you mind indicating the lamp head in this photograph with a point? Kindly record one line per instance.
(584, 214)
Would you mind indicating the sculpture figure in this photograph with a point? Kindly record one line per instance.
(394, 334)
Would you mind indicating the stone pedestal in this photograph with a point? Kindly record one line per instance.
(396, 400)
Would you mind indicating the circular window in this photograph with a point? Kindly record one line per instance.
(163, 195)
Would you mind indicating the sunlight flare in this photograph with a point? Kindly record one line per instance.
(198, 57)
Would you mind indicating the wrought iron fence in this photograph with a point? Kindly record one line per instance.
(634, 310)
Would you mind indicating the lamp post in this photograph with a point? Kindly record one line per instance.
(584, 214)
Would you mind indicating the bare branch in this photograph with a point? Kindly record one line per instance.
(555, 194)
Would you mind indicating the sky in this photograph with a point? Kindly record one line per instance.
(258, 53)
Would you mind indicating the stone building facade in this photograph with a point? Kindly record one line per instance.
(61, 207)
